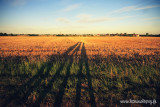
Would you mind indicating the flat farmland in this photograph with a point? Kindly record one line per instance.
(79, 71)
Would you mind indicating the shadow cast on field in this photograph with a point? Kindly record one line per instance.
(35, 84)
(84, 59)
(49, 65)
(107, 88)
(47, 89)
(59, 95)
(23, 92)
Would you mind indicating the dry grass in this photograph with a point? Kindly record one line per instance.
(121, 45)
(79, 71)
(34, 46)
(104, 46)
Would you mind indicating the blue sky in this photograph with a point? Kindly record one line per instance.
(80, 16)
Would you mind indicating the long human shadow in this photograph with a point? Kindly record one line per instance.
(91, 91)
(49, 65)
(48, 88)
(27, 88)
(79, 76)
(59, 95)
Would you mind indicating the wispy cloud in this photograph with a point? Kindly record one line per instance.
(153, 18)
(94, 20)
(87, 18)
(18, 2)
(125, 9)
(71, 7)
(63, 20)
(147, 7)
(134, 8)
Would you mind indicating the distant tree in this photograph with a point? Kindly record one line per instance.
(117, 34)
(11, 34)
(147, 34)
(125, 34)
(60, 35)
(3, 34)
(33, 34)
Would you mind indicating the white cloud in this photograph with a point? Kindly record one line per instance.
(18, 2)
(134, 8)
(87, 18)
(147, 7)
(71, 7)
(63, 20)
(21, 2)
(93, 20)
(125, 9)
(153, 18)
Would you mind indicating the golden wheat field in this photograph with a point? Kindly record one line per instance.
(42, 46)
(79, 71)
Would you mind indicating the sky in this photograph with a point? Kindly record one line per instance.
(79, 16)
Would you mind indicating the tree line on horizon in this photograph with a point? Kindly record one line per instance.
(116, 34)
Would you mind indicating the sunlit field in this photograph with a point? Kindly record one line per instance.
(79, 71)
